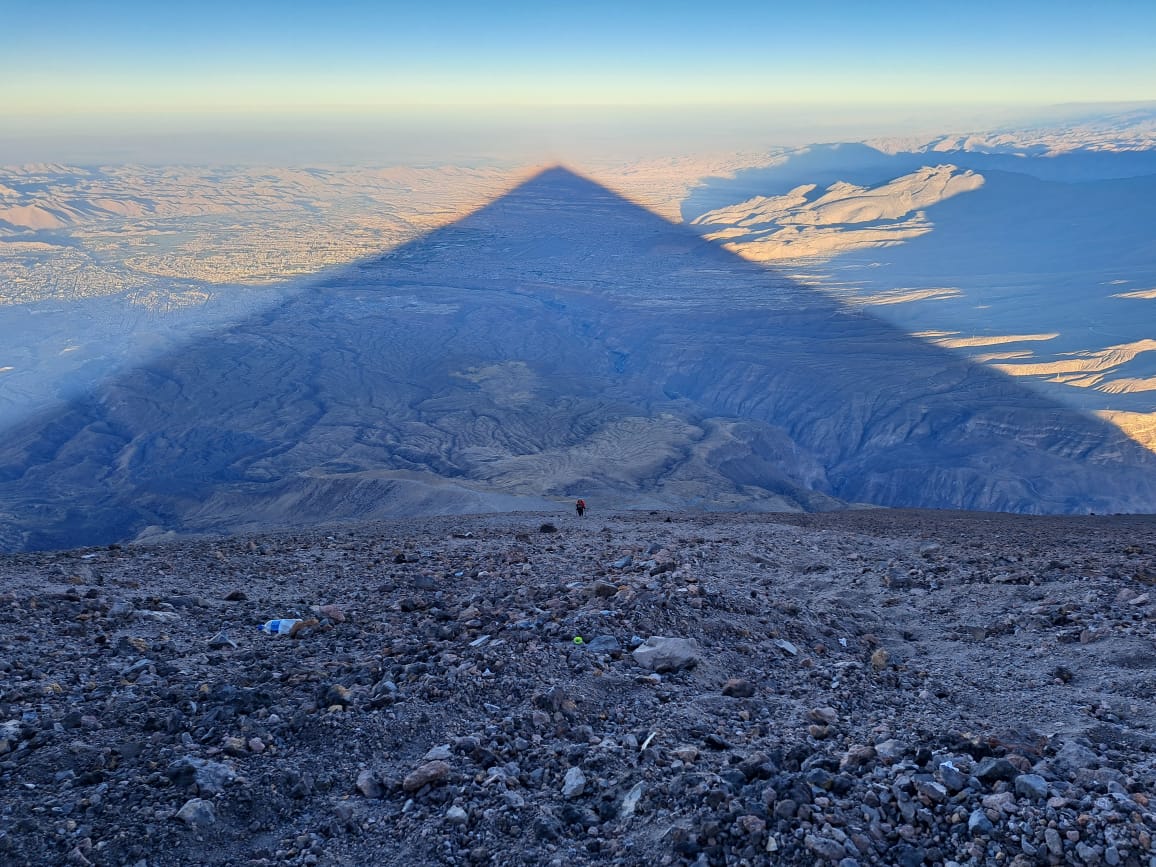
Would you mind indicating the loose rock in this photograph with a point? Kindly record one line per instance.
(664, 655)
(429, 774)
(197, 813)
(574, 783)
(738, 688)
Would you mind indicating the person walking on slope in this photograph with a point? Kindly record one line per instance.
(580, 507)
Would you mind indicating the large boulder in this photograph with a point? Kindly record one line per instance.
(668, 654)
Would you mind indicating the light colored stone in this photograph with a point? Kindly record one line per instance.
(827, 715)
(979, 823)
(786, 646)
(630, 801)
(574, 783)
(368, 785)
(890, 751)
(857, 756)
(1003, 802)
(668, 654)
(197, 812)
(1088, 854)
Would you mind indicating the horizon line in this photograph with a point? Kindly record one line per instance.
(474, 107)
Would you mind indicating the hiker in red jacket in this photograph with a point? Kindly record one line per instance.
(580, 507)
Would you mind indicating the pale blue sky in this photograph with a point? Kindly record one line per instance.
(347, 80)
(68, 57)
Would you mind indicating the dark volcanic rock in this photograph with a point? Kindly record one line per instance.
(991, 770)
(389, 737)
(738, 688)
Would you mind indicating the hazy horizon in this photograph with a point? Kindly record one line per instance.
(492, 136)
(352, 81)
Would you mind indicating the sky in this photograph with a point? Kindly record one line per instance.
(89, 67)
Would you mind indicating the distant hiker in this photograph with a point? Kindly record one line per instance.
(580, 507)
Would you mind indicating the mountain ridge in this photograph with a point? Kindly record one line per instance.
(558, 342)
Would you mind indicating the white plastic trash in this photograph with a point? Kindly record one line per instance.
(278, 627)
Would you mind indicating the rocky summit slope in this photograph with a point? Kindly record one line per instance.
(560, 342)
(866, 687)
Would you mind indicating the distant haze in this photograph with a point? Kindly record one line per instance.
(476, 136)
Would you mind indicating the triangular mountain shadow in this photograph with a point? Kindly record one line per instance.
(559, 342)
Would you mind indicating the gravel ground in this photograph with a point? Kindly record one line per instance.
(875, 687)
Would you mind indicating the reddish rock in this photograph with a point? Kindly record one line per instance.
(736, 687)
(429, 774)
